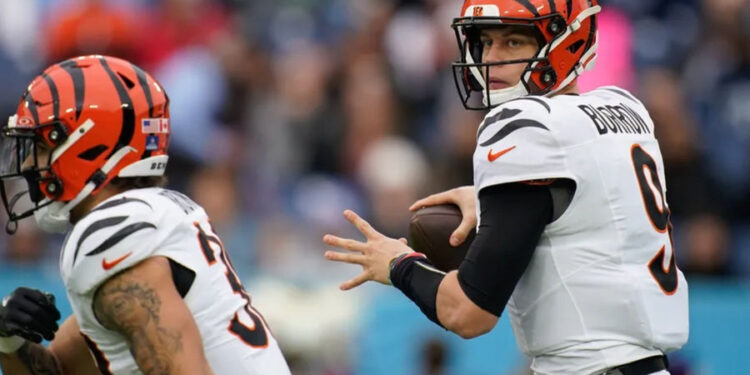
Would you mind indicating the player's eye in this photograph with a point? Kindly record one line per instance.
(486, 43)
(41, 146)
(514, 43)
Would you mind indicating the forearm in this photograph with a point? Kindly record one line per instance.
(458, 313)
(440, 297)
(30, 359)
(143, 305)
(155, 348)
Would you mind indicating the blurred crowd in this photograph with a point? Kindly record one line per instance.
(286, 112)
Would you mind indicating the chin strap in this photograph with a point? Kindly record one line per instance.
(498, 97)
(98, 178)
(63, 212)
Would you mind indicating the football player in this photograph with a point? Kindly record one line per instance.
(569, 200)
(151, 285)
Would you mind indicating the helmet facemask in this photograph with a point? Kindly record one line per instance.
(24, 162)
(565, 33)
(97, 118)
(471, 71)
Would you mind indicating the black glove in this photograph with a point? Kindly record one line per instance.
(29, 313)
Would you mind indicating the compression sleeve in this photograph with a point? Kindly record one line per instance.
(512, 219)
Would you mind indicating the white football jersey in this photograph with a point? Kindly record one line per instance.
(130, 227)
(602, 288)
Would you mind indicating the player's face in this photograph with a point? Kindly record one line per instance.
(505, 44)
(43, 152)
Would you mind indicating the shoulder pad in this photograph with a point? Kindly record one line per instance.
(620, 93)
(114, 236)
(517, 142)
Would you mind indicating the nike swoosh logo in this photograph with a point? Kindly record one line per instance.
(493, 156)
(109, 265)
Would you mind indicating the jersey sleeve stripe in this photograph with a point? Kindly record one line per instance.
(533, 99)
(95, 227)
(117, 202)
(504, 115)
(119, 236)
(510, 128)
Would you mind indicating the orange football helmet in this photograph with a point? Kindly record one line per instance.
(101, 117)
(566, 30)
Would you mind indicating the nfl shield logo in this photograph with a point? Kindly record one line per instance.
(152, 142)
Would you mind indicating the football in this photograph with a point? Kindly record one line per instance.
(430, 229)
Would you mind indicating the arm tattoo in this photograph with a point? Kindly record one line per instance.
(133, 310)
(38, 359)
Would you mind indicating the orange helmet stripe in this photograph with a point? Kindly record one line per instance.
(128, 114)
(552, 6)
(76, 75)
(143, 81)
(526, 4)
(54, 95)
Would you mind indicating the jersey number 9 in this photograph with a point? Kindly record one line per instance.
(652, 192)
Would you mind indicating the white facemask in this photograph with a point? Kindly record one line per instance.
(53, 218)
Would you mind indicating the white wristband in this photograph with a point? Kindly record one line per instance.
(9, 345)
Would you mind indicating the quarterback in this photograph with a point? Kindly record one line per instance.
(569, 200)
(152, 288)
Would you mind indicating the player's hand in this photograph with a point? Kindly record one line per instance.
(29, 313)
(465, 198)
(374, 256)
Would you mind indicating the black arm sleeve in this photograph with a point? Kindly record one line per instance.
(513, 217)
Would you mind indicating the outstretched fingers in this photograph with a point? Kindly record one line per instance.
(344, 243)
(355, 282)
(363, 226)
(345, 257)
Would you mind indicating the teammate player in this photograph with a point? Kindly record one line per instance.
(150, 283)
(573, 224)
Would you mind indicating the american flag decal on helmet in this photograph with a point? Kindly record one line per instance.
(154, 125)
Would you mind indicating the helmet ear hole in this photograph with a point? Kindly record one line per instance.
(576, 46)
(92, 153)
